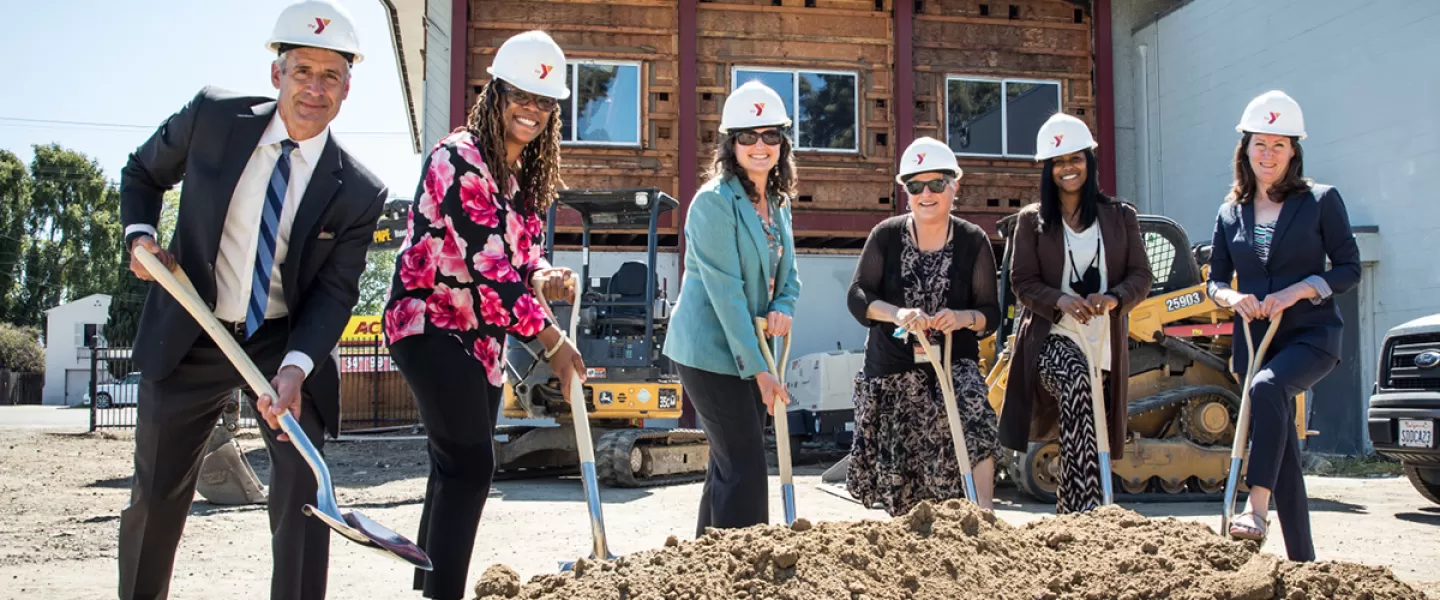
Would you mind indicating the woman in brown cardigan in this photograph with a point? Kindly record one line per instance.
(1077, 255)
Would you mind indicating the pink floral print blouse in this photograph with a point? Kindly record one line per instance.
(465, 263)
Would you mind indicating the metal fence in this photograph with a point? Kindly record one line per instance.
(373, 395)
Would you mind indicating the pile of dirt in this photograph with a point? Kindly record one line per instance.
(958, 551)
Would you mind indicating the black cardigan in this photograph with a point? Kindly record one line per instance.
(877, 277)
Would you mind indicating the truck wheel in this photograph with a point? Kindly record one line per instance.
(1037, 472)
(1426, 481)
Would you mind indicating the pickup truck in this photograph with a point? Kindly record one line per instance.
(1405, 402)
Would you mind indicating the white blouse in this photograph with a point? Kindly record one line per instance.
(1082, 247)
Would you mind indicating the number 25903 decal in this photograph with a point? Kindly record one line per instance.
(1186, 301)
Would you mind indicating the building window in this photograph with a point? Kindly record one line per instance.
(825, 117)
(997, 117)
(98, 330)
(604, 104)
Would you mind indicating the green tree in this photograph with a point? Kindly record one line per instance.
(20, 349)
(128, 298)
(827, 108)
(15, 187)
(375, 282)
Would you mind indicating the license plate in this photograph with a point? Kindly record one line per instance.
(1417, 433)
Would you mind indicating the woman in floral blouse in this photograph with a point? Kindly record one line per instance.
(460, 286)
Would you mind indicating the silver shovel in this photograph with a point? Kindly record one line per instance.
(1093, 333)
(599, 550)
(353, 525)
(1242, 422)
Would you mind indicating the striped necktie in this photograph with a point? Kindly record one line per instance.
(269, 232)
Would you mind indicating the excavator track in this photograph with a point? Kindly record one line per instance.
(618, 464)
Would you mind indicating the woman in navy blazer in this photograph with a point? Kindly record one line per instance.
(739, 265)
(1273, 234)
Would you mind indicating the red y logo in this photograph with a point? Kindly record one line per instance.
(545, 70)
(759, 108)
(920, 159)
(1057, 140)
(320, 25)
(1273, 116)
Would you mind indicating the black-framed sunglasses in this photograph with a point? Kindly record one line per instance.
(936, 185)
(521, 98)
(748, 137)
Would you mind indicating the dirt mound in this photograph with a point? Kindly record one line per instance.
(959, 551)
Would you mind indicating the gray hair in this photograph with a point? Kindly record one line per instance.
(283, 63)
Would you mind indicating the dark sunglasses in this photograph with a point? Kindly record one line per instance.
(772, 137)
(521, 98)
(935, 185)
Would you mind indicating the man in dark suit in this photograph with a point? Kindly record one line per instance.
(274, 224)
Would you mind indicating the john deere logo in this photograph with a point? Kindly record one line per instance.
(1058, 138)
(1273, 116)
(1428, 360)
(920, 158)
(759, 108)
(545, 70)
(319, 25)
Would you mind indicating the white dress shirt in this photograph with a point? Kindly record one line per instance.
(240, 239)
(1083, 246)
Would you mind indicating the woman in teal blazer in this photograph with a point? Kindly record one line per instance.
(739, 264)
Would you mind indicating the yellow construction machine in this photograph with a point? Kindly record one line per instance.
(623, 322)
(1183, 395)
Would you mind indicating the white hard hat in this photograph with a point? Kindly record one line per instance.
(316, 24)
(1275, 113)
(1062, 134)
(533, 62)
(753, 105)
(925, 155)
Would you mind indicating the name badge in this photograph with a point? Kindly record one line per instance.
(920, 357)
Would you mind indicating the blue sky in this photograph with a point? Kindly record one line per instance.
(135, 63)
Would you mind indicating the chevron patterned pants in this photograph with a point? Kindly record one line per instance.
(1064, 374)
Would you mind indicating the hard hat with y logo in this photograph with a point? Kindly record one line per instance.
(1273, 112)
(927, 154)
(753, 105)
(316, 24)
(533, 62)
(1062, 134)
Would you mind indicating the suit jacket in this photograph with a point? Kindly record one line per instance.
(1037, 269)
(726, 284)
(1313, 225)
(207, 145)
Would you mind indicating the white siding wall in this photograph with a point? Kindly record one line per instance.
(1365, 77)
(435, 105)
(61, 349)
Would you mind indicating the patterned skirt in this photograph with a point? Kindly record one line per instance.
(903, 452)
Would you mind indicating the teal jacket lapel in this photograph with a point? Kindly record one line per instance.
(751, 222)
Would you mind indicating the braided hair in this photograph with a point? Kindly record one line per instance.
(539, 175)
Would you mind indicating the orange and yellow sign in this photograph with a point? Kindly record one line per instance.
(362, 328)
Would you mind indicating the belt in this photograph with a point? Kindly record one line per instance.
(236, 330)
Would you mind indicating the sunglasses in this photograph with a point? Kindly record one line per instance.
(935, 185)
(772, 137)
(521, 97)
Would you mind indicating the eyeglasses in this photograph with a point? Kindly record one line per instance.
(747, 137)
(936, 185)
(522, 98)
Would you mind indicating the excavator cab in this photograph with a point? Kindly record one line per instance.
(624, 318)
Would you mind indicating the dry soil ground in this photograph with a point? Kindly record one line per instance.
(61, 495)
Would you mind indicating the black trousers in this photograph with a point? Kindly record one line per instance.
(1274, 443)
(459, 408)
(176, 417)
(733, 416)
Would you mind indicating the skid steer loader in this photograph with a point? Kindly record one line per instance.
(1184, 397)
(623, 323)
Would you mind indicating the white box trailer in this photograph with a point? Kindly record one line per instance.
(822, 392)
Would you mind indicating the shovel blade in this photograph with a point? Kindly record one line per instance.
(1107, 481)
(1231, 480)
(362, 530)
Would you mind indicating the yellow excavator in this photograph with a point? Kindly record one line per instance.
(1183, 396)
(623, 322)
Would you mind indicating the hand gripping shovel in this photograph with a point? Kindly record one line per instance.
(782, 420)
(581, 415)
(1242, 422)
(952, 411)
(353, 525)
(1093, 333)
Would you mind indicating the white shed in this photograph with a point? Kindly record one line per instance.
(67, 359)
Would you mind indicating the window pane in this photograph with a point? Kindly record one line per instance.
(1027, 107)
(974, 117)
(827, 111)
(782, 83)
(608, 104)
(567, 116)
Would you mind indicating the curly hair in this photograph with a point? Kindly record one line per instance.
(780, 182)
(1243, 190)
(539, 175)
